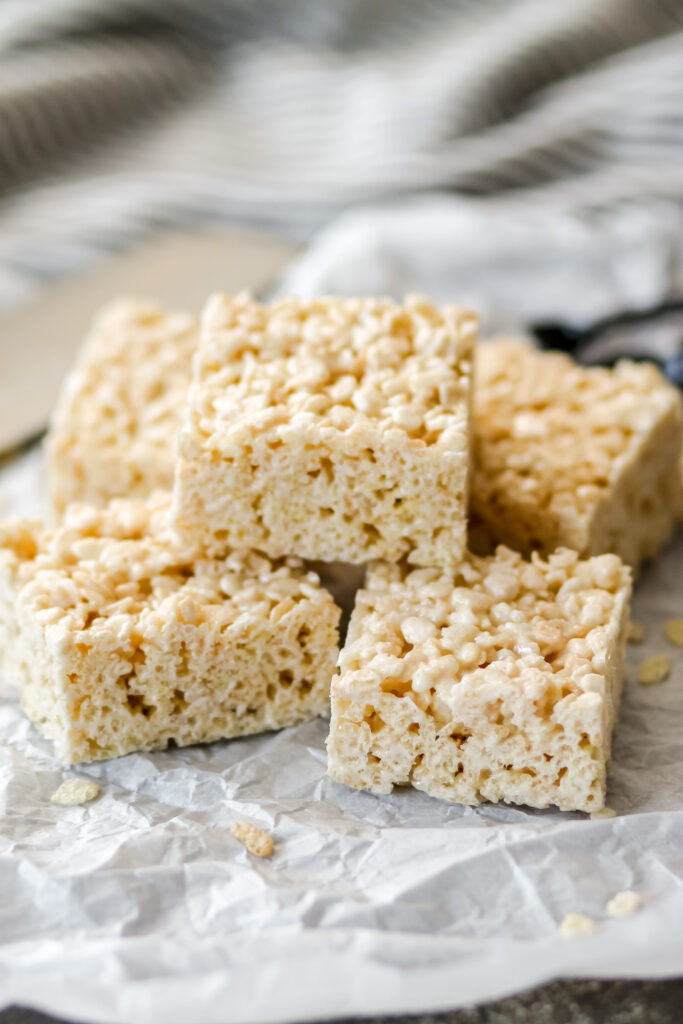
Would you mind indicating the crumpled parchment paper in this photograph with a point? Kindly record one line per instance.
(141, 906)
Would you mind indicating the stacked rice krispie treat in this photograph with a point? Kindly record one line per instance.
(585, 458)
(113, 430)
(340, 429)
(332, 429)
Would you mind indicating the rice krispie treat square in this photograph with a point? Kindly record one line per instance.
(498, 682)
(19, 540)
(113, 430)
(333, 429)
(568, 456)
(121, 639)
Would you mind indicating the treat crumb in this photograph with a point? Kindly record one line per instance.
(636, 632)
(624, 904)
(603, 812)
(257, 841)
(673, 631)
(654, 670)
(75, 791)
(575, 925)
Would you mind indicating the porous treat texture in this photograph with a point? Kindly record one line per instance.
(568, 456)
(334, 429)
(19, 543)
(121, 638)
(113, 431)
(498, 682)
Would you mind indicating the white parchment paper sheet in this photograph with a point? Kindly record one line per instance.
(141, 906)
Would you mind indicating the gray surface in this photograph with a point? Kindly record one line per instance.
(562, 1002)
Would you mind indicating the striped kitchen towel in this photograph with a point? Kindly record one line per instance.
(118, 117)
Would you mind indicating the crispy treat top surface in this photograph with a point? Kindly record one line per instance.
(499, 617)
(557, 434)
(336, 363)
(121, 569)
(131, 378)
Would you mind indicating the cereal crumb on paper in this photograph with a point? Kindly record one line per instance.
(624, 904)
(654, 670)
(636, 632)
(257, 841)
(575, 925)
(603, 812)
(75, 791)
(673, 631)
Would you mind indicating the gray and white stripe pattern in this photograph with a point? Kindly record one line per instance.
(135, 112)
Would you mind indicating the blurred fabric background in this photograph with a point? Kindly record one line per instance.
(562, 118)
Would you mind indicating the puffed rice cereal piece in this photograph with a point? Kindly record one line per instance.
(673, 631)
(257, 841)
(636, 632)
(499, 681)
(75, 791)
(575, 925)
(333, 429)
(20, 540)
(603, 813)
(654, 670)
(113, 430)
(624, 904)
(569, 456)
(122, 638)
